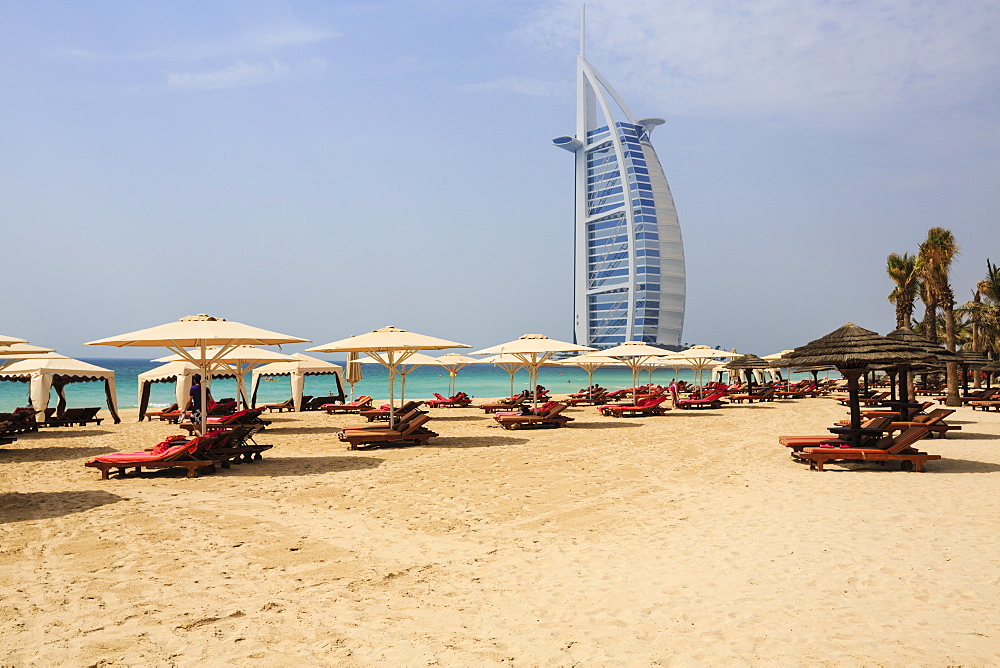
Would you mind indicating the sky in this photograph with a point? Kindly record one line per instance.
(324, 169)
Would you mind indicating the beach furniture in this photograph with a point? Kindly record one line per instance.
(766, 394)
(248, 416)
(413, 432)
(977, 395)
(874, 399)
(600, 396)
(236, 445)
(382, 413)
(648, 406)
(170, 412)
(933, 421)
(985, 405)
(459, 400)
(549, 417)
(899, 449)
(713, 400)
(319, 403)
(171, 453)
(506, 404)
(403, 419)
(883, 413)
(75, 417)
(875, 428)
(361, 403)
(21, 421)
(281, 408)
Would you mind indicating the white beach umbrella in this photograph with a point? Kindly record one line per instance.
(199, 332)
(635, 354)
(590, 362)
(19, 351)
(391, 347)
(403, 370)
(455, 362)
(702, 357)
(9, 340)
(508, 363)
(533, 350)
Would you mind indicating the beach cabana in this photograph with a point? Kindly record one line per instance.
(179, 373)
(54, 371)
(297, 369)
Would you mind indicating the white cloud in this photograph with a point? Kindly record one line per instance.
(520, 86)
(241, 74)
(817, 59)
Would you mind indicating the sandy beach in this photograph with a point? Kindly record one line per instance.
(687, 539)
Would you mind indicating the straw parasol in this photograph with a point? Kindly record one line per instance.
(591, 362)
(747, 363)
(199, 332)
(937, 354)
(533, 350)
(238, 360)
(391, 347)
(852, 350)
(989, 369)
(455, 362)
(970, 359)
(635, 354)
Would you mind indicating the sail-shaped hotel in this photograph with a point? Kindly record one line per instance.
(629, 266)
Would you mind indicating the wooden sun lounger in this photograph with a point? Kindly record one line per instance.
(185, 455)
(281, 408)
(75, 417)
(646, 408)
(170, 411)
(901, 450)
(382, 415)
(506, 404)
(802, 442)
(414, 433)
(985, 405)
(551, 418)
(364, 402)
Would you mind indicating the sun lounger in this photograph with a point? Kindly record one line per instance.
(382, 413)
(459, 400)
(550, 417)
(506, 404)
(235, 445)
(766, 394)
(281, 408)
(171, 410)
(976, 395)
(75, 417)
(643, 408)
(985, 406)
(713, 400)
(877, 425)
(363, 402)
(176, 452)
(413, 433)
(900, 450)
(21, 421)
(248, 416)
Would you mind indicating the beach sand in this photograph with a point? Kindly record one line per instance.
(687, 539)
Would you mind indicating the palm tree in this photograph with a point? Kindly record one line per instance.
(904, 270)
(937, 253)
(987, 295)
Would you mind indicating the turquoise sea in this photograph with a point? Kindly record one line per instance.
(479, 381)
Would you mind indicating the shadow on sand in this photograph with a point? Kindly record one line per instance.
(11, 453)
(293, 466)
(65, 432)
(18, 507)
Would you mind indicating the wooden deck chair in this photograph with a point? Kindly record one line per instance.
(414, 432)
(900, 449)
(172, 453)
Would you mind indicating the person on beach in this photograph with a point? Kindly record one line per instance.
(195, 402)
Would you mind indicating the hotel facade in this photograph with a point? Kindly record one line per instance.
(629, 279)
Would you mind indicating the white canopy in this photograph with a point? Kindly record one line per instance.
(51, 370)
(297, 370)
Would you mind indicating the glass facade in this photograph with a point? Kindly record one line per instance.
(630, 279)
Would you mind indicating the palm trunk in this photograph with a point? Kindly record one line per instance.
(930, 322)
(952, 398)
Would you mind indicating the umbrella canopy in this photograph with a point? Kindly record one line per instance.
(179, 373)
(508, 363)
(51, 370)
(635, 354)
(852, 349)
(200, 332)
(297, 368)
(533, 350)
(391, 347)
(354, 373)
(19, 351)
(8, 340)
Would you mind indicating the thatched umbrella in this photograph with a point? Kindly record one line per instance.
(937, 354)
(748, 363)
(990, 369)
(970, 359)
(852, 350)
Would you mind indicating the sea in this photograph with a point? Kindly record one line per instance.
(478, 381)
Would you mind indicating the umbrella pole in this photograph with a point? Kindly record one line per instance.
(852, 391)
(206, 372)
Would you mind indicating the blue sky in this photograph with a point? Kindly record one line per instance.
(324, 169)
